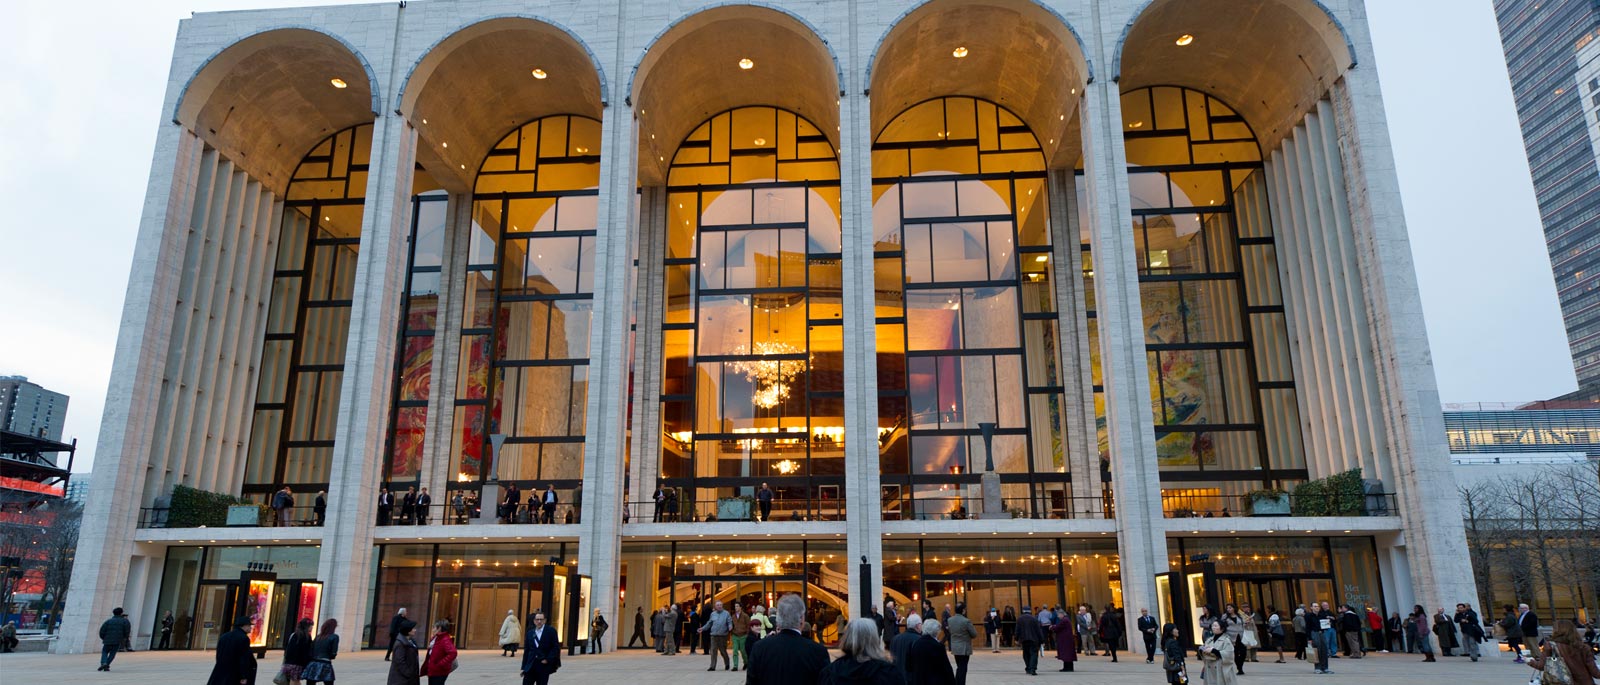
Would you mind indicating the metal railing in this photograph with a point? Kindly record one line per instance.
(470, 512)
(1183, 505)
(161, 517)
(707, 511)
(957, 507)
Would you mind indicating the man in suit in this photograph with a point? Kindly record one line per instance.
(1148, 629)
(785, 657)
(1030, 634)
(408, 506)
(543, 653)
(385, 506)
(547, 504)
(961, 634)
(1529, 623)
(1471, 628)
(926, 663)
(424, 500)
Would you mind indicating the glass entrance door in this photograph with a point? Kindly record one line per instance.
(211, 620)
(485, 610)
(980, 595)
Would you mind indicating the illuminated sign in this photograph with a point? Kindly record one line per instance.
(258, 602)
(310, 603)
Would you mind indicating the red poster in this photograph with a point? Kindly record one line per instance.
(311, 603)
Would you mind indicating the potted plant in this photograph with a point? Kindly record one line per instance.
(1268, 502)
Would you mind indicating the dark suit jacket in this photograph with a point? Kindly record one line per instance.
(926, 663)
(235, 663)
(546, 647)
(785, 658)
(1530, 625)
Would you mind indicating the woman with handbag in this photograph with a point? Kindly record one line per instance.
(1174, 652)
(296, 654)
(1564, 659)
(441, 660)
(1217, 655)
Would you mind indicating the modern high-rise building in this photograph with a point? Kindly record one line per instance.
(30, 409)
(1056, 302)
(1553, 55)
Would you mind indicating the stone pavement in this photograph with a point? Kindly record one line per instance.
(483, 667)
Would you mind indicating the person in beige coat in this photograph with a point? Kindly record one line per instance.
(510, 634)
(962, 633)
(1217, 655)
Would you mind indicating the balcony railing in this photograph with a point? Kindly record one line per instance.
(1225, 506)
(958, 507)
(708, 511)
(161, 517)
(469, 511)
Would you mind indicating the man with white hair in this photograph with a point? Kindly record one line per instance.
(927, 663)
(900, 647)
(785, 657)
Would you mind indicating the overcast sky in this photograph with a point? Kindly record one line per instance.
(82, 86)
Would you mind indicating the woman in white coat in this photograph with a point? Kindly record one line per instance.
(510, 634)
(1217, 655)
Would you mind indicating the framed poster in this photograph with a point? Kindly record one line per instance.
(258, 602)
(585, 614)
(310, 604)
(558, 606)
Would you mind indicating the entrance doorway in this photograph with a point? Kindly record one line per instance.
(1001, 592)
(1283, 593)
(477, 609)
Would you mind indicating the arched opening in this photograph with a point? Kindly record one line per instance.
(723, 59)
(1014, 53)
(966, 314)
(752, 387)
(488, 78)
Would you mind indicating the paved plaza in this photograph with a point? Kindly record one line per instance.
(489, 667)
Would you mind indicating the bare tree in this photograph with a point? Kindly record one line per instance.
(58, 546)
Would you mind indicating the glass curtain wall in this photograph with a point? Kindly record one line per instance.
(419, 314)
(966, 316)
(753, 371)
(1223, 394)
(527, 303)
(302, 358)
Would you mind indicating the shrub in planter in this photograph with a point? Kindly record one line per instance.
(193, 508)
(1268, 502)
(1341, 494)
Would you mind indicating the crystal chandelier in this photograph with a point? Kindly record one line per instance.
(771, 377)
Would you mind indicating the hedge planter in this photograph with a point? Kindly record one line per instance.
(1277, 505)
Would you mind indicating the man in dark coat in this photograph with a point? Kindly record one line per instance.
(547, 504)
(408, 506)
(785, 657)
(1471, 628)
(319, 507)
(385, 506)
(638, 628)
(1148, 629)
(424, 500)
(926, 663)
(900, 646)
(543, 655)
(236, 665)
(1030, 634)
(115, 631)
(1529, 623)
(394, 631)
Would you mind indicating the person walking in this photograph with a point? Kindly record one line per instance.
(991, 626)
(1008, 626)
(1111, 630)
(690, 631)
(1513, 629)
(424, 500)
(385, 506)
(785, 657)
(113, 632)
(1066, 639)
(405, 668)
(441, 659)
(319, 507)
(717, 624)
(669, 630)
(510, 634)
(1350, 623)
(597, 632)
(1149, 631)
(900, 648)
(1250, 636)
(236, 664)
(738, 631)
(167, 622)
(863, 660)
(394, 630)
(1275, 631)
(1030, 634)
(1173, 655)
(1445, 629)
(1217, 655)
(1528, 622)
(1233, 627)
(323, 652)
(764, 500)
(926, 663)
(543, 655)
(1471, 629)
(961, 633)
(638, 629)
(1564, 658)
(1419, 629)
(297, 652)
(1299, 626)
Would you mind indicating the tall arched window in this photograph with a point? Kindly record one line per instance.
(527, 306)
(966, 314)
(1222, 386)
(753, 380)
(302, 355)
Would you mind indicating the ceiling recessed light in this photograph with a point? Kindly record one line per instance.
(424, 120)
(338, 83)
(746, 63)
(1042, 258)
(540, 74)
(959, 52)
(444, 144)
(1136, 124)
(761, 141)
(463, 166)
(582, 150)
(1185, 39)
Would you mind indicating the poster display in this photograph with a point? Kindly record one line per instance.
(585, 615)
(258, 604)
(310, 604)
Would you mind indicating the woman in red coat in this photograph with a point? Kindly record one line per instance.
(441, 654)
(1066, 641)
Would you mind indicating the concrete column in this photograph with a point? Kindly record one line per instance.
(1082, 456)
(1124, 371)
(437, 442)
(863, 514)
(605, 427)
(648, 308)
(347, 556)
(105, 542)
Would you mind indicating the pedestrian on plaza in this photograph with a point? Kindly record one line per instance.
(928, 613)
(960, 633)
(1445, 629)
(441, 659)
(900, 648)
(398, 618)
(1528, 622)
(1392, 632)
(764, 500)
(385, 506)
(323, 652)
(1419, 629)
(926, 663)
(1217, 655)
(543, 655)
(510, 634)
(1030, 634)
(1250, 633)
(670, 625)
(891, 621)
(1233, 626)
(1275, 631)
(991, 627)
(1174, 655)
(1148, 630)
(319, 507)
(408, 506)
(1564, 658)
(863, 660)
(1086, 623)
(1323, 638)
(1514, 635)
(944, 620)
(236, 664)
(297, 652)
(718, 624)
(1299, 626)
(1008, 626)
(597, 632)
(1351, 623)
(638, 629)
(1065, 632)
(658, 619)
(167, 622)
(691, 626)
(1373, 624)
(738, 631)
(1471, 628)
(405, 668)
(547, 504)
(8, 637)
(113, 632)
(424, 500)
(1111, 629)
(785, 657)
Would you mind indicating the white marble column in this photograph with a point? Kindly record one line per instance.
(863, 514)
(1082, 445)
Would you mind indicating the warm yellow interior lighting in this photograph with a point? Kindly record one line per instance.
(339, 83)
(959, 52)
(540, 74)
(746, 63)
(1185, 39)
